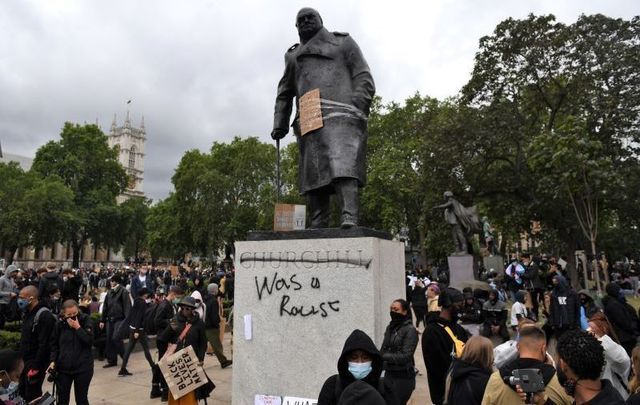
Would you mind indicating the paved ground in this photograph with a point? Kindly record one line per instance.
(108, 388)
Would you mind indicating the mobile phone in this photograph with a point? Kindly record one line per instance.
(4, 379)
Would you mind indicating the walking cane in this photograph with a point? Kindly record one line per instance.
(278, 169)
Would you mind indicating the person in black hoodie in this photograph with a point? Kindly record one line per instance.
(438, 344)
(418, 298)
(564, 310)
(360, 360)
(136, 330)
(470, 373)
(49, 278)
(359, 393)
(35, 342)
(622, 317)
(581, 360)
(398, 347)
(212, 324)
(71, 354)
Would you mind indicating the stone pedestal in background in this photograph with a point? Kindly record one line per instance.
(460, 271)
(298, 295)
(494, 262)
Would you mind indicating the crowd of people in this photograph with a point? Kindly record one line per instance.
(72, 318)
(492, 347)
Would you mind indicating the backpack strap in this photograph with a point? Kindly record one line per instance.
(37, 317)
(458, 344)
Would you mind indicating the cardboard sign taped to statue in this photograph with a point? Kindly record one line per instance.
(182, 372)
(310, 112)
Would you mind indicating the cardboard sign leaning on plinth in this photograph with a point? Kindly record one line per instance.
(182, 372)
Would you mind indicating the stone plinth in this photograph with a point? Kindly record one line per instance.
(494, 262)
(460, 270)
(304, 297)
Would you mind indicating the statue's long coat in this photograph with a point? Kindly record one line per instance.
(333, 63)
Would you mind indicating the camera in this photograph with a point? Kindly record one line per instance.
(52, 375)
(529, 379)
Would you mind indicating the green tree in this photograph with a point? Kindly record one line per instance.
(33, 211)
(134, 213)
(86, 164)
(165, 236)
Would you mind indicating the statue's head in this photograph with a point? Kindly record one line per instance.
(308, 23)
(447, 195)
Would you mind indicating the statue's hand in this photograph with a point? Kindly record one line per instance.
(278, 133)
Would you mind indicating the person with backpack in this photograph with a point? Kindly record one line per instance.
(136, 331)
(212, 324)
(35, 342)
(443, 339)
(398, 347)
(71, 354)
(116, 308)
(360, 360)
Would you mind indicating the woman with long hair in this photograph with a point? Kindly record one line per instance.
(617, 365)
(634, 384)
(470, 373)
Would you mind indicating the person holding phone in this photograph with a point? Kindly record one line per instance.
(71, 354)
(11, 367)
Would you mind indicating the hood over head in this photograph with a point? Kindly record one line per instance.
(360, 340)
(358, 393)
(586, 293)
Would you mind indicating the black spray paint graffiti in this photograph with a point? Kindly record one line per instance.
(270, 285)
(307, 259)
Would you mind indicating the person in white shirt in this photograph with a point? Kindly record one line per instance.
(518, 309)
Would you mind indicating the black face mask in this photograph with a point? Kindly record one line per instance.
(396, 317)
(567, 383)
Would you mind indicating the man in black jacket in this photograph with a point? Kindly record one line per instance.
(564, 311)
(71, 284)
(37, 328)
(437, 343)
(164, 313)
(116, 308)
(212, 324)
(533, 282)
(136, 330)
(360, 360)
(49, 278)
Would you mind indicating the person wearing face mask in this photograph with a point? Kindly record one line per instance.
(141, 280)
(532, 346)
(37, 327)
(399, 345)
(442, 338)
(360, 360)
(495, 317)
(186, 329)
(116, 308)
(164, 313)
(11, 367)
(8, 291)
(52, 299)
(136, 330)
(71, 354)
(581, 360)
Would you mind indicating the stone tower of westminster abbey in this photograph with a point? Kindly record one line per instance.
(131, 142)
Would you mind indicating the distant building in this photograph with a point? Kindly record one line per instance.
(131, 143)
(24, 161)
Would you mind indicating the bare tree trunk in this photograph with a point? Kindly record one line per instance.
(596, 269)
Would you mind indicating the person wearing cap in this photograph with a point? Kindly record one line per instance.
(8, 291)
(116, 308)
(212, 323)
(194, 337)
(438, 341)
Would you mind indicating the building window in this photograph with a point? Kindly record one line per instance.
(132, 157)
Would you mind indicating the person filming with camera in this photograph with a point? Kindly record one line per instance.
(506, 385)
(71, 355)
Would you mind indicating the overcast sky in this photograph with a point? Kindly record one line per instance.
(202, 71)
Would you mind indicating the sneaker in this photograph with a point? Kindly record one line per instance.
(226, 364)
(110, 365)
(124, 372)
(156, 392)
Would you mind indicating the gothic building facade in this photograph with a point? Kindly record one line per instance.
(131, 143)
